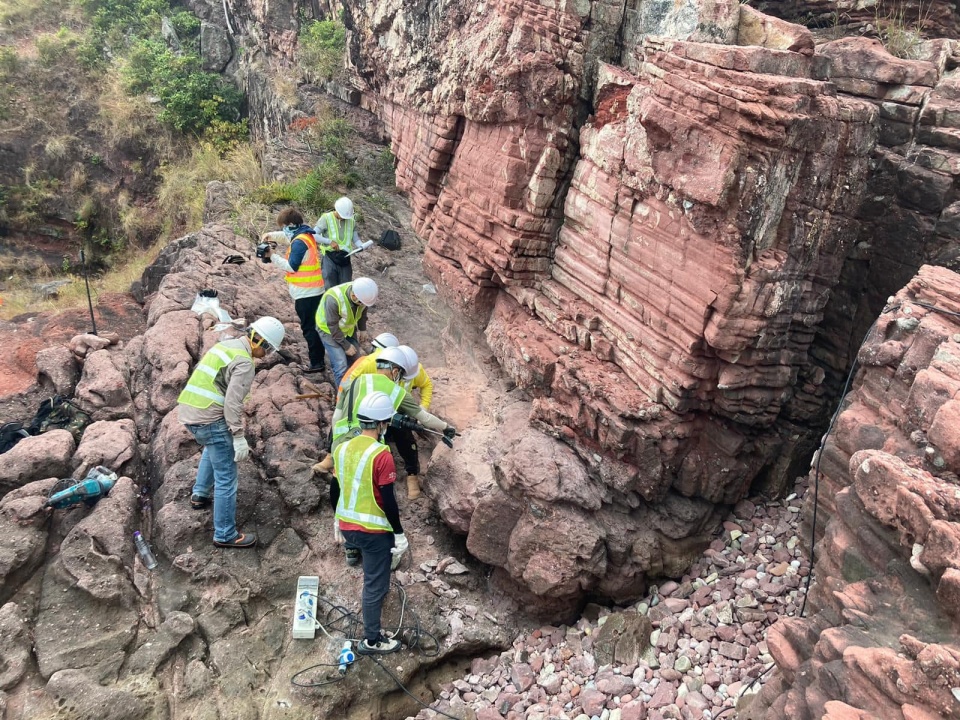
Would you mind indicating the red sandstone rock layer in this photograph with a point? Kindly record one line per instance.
(882, 638)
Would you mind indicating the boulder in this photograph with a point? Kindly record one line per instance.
(23, 534)
(112, 443)
(39, 456)
(756, 28)
(104, 390)
(58, 369)
(623, 639)
(156, 647)
(216, 50)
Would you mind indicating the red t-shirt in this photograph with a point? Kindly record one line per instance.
(384, 473)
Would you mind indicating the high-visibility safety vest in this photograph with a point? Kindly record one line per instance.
(333, 232)
(353, 462)
(201, 390)
(308, 275)
(366, 365)
(360, 387)
(348, 316)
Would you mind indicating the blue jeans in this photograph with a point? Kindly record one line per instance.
(218, 473)
(338, 358)
(376, 575)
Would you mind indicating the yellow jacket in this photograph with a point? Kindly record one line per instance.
(368, 365)
(424, 384)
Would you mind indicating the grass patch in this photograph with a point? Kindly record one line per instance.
(901, 33)
(183, 186)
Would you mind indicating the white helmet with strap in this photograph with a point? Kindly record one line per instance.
(385, 340)
(270, 329)
(412, 365)
(365, 290)
(375, 407)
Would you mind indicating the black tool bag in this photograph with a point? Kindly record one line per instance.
(390, 240)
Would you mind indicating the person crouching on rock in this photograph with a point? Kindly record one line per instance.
(367, 515)
(211, 407)
(304, 279)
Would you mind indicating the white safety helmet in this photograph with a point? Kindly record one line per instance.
(270, 329)
(392, 356)
(385, 340)
(412, 365)
(375, 407)
(365, 290)
(344, 207)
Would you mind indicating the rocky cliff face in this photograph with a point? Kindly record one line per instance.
(669, 222)
(881, 641)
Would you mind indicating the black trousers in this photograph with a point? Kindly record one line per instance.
(307, 312)
(334, 274)
(406, 443)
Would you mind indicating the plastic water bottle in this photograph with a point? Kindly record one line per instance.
(146, 554)
(346, 657)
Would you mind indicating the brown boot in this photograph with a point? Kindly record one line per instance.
(413, 487)
(324, 466)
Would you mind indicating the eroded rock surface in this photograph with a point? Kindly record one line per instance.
(882, 637)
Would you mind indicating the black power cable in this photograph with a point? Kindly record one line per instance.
(340, 619)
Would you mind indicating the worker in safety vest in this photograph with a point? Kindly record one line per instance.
(336, 232)
(361, 366)
(367, 364)
(304, 278)
(367, 516)
(414, 378)
(211, 406)
(390, 371)
(340, 317)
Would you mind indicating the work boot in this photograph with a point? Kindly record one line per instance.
(353, 556)
(324, 466)
(413, 487)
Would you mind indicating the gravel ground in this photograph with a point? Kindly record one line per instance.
(708, 640)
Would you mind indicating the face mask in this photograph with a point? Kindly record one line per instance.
(288, 231)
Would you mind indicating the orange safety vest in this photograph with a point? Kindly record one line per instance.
(309, 274)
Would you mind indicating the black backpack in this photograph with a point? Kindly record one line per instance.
(390, 240)
(10, 434)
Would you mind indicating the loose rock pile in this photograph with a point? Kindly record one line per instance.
(688, 650)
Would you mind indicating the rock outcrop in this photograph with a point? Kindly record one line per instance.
(86, 630)
(881, 637)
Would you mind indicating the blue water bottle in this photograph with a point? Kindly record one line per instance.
(346, 657)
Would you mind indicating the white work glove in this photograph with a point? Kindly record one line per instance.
(400, 546)
(241, 448)
(337, 535)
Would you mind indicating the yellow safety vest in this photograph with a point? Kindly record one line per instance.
(309, 274)
(361, 386)
(201, 390)
(365, 365)
(333, 232)
(348, 316)
(353, 462)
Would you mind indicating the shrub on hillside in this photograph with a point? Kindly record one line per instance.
(320, 48)
(191, 98)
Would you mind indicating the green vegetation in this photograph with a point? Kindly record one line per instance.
(901, 34)
(321, 46)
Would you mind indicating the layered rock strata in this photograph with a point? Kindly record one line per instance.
(881, 637)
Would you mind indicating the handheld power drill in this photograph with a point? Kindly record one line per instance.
(404, 422)
(97, 484)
